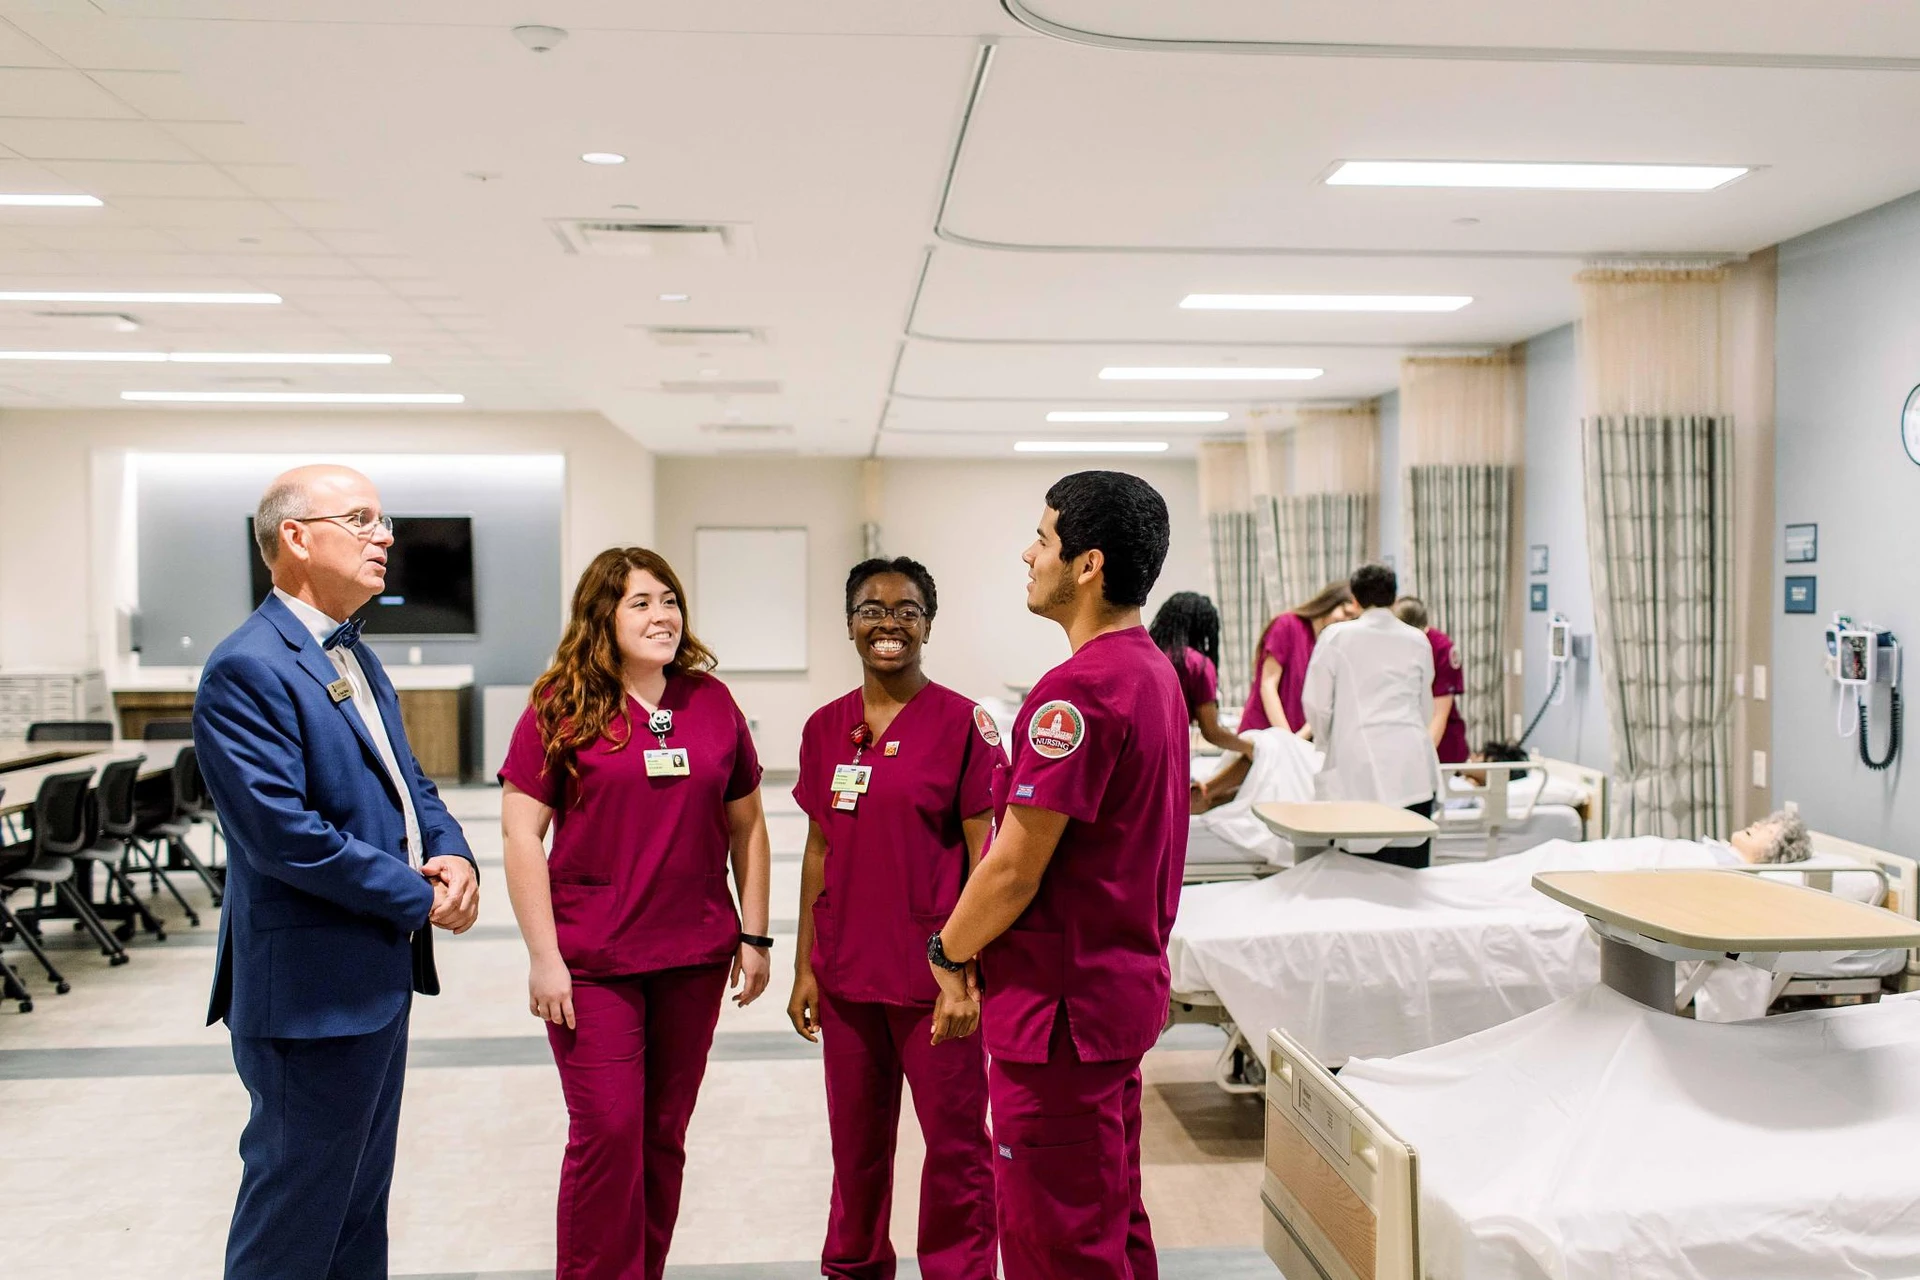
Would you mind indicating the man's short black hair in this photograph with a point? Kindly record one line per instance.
(912, 570)
(1123, 516)
(1374, 586)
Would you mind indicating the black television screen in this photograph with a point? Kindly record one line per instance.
(429, 579)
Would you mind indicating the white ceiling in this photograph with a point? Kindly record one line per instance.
(327, 150)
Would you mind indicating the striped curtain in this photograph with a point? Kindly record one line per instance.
(1316, 538)
(1457, 530)
(1659, 538)
(1235, 574)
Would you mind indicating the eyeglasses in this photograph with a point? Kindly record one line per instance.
(905, 614)
(361, 521)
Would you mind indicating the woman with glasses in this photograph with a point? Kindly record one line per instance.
(642, 765)
(896, 778)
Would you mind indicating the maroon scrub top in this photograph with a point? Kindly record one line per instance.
(1289, 641)
(1199, 682)
(1102, 739)
(1449, 681)
(639, 865)
(896, 863)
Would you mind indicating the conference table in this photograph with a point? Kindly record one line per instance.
(25, 765)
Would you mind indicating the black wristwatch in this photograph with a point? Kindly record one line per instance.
(756, 940)
(937, 956)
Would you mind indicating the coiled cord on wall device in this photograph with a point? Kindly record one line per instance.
(1559, 674)
(1893, 735)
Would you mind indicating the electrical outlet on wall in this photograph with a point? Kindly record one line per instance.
(1760, 769)
(1739, 685)
(1759, 684)
(1519, 660)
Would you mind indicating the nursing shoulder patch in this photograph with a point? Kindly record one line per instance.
(983, 721)
(1057, 730)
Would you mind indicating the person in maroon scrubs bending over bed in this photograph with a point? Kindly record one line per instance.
(643, 766)
(896, 778)
(1070, 911)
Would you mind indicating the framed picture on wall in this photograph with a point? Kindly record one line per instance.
(1536, 560)
(1802, 595)
(1803, 543)
(1537, 597)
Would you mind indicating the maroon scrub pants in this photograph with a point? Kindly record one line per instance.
(869, 1049)
(630, 1071)
(1067, 1168)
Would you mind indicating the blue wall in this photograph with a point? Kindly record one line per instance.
(1847, 353)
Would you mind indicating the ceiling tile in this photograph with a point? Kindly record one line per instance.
(94, 43)
(29, 177)
(109, 178)
(323, 215)
(290, 266)
(358, 243)
(268, 241)
(57, 94)
(102, 239)
(208, 215)
(223, 143)
(17, 49)
(90, 140)
(161, 95)
(275, 181)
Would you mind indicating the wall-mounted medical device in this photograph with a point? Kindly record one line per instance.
(1860, 656)
(1563, 649)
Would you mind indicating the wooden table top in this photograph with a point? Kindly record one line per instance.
(1726, 911)
(22, 785)
(1323, 820)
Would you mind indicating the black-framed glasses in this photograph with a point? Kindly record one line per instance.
(361, 520)
(904, 614)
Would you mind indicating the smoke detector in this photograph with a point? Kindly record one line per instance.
(538, 38)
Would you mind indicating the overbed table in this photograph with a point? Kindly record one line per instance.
(1649, 920)
(1314, 826)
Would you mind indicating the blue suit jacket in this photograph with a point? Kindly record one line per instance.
(321, 903)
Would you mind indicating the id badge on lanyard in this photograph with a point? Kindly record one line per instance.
(850, 781)
(665, 761)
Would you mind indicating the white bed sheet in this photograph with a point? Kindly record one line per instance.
(1354, 957)
(1546, 822)
(1599, 1140)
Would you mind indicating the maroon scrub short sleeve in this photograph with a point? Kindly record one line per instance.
(526, 763)
(983, 758)
(746, 761)
(1066, 753)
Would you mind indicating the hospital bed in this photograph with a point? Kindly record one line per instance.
(1604, 1137)
(1553, 800)
(1359, 959)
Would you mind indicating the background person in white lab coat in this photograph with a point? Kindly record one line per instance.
(1369, 698)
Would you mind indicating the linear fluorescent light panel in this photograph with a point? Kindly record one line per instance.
(200, 357)
(292, 397)
(123, 295)
(1530, 176)
(1210, 373)
(49, 202)
(1136, 415)
(1323, 302)
(1090, 446)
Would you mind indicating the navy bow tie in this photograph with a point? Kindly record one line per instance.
(344, 636)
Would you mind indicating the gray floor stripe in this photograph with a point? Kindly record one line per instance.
(180, 934)
(1175, 1264)
(422, 1054)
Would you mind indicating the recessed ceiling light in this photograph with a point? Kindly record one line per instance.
(709, 373)
(1531, 176)
(1323, 302)
(1090, 446)
(1207, 373)
(1137, 415)
(125, 295)
(51, 202)
(675, 297)
(291, 397)
(603, 157)
(201, 357)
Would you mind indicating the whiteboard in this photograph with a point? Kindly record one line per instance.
(750, 597)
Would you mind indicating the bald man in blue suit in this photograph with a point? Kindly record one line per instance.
(341, 861)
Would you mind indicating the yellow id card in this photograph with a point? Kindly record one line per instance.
(667, 762)
(853, 778)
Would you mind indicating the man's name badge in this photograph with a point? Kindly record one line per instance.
(667, 762)
(340, 690)
(852, 778)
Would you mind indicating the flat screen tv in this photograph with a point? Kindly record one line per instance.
(429, 579)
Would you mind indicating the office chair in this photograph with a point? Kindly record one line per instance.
(110, 843)
(43, 862)
(189, 803)
(167, 731)
(70, 731)
(11, 986)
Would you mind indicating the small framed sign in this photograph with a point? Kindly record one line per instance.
(1803, 543)
(1802, 595)
(1536, 560)
(1537, 597)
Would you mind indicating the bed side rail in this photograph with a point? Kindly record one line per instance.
(1902, 875)
(1340, 1191)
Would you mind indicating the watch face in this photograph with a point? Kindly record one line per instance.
(1910, 424)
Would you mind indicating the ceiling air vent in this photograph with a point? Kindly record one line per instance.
(631, 238)
(717, 387)
(669, 335)
(747, 432)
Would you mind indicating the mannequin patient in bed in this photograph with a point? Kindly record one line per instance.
(1778, 837)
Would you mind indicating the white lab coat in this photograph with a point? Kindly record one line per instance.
(1369, 698)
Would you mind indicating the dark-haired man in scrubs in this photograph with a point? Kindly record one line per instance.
(1070, 911)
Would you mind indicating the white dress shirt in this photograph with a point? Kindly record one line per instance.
(1369, 698)
(347, 663)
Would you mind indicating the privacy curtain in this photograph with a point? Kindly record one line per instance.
(1233, 564)
(1313, 476)
(1658, 455)
(1460, 431)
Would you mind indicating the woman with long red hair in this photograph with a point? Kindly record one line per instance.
(641, 763)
